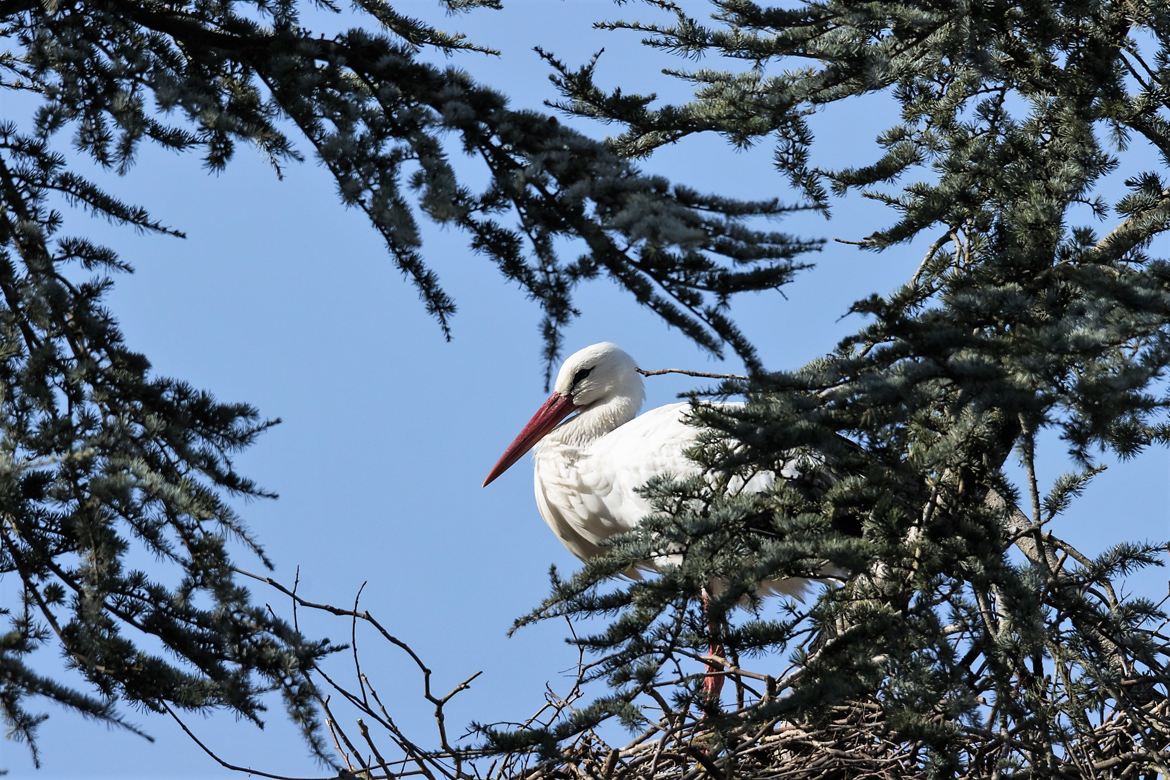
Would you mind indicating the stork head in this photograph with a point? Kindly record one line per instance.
(598, 373)
(588, 377)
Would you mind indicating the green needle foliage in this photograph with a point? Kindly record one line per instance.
(104, 465)
(967, 637)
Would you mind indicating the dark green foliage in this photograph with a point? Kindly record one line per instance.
(383, 122)
(103, 462)
(966, 637)
(965, 617)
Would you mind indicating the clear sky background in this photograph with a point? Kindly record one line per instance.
(283, 298)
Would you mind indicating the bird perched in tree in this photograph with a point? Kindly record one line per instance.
(589, 468)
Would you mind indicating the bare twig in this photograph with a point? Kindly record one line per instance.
(226, 764)
(688, 372)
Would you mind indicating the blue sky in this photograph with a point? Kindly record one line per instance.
(283, 298)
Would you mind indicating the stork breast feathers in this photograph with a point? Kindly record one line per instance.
(588, 493)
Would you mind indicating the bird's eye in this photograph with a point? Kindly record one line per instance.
(581, 374)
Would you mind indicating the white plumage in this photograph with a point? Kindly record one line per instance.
(590, 467)
(587, 491)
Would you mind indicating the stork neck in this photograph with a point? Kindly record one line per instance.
(596, 420)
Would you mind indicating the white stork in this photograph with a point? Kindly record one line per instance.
(588, 468)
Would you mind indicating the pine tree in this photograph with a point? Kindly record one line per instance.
(102, 459)
(970, 639)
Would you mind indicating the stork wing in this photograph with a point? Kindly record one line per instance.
(589, 495)
(619, 463)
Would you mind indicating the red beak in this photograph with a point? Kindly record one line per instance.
(551, 412)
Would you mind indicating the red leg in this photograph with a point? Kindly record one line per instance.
(713, 681)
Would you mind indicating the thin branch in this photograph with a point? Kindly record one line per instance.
(227, 764)
(687, 372)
